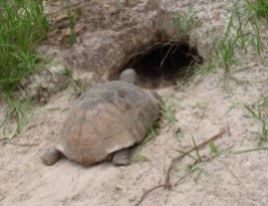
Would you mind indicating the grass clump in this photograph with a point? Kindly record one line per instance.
(22, 26)
(260, 7)
(226, 53)
(169, 110)
(185, 20)
(71, 24)
(242, 33)
(16, 110)
(259, 112)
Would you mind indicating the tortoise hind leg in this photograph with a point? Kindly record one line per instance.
(122, 157)
(50, 156)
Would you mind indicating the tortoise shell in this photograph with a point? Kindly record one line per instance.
(107, 118)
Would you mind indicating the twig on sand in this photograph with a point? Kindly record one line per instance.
(148, 192)
(167, 184)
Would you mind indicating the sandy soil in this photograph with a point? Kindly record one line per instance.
(203, 106)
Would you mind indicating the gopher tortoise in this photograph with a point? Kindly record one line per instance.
(106, 122)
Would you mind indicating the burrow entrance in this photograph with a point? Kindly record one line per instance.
(163, 64)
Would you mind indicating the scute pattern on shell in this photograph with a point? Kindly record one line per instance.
(108, 117)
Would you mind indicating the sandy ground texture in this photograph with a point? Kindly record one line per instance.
(202, 107)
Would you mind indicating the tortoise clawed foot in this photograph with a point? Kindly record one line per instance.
(50, 156)
(121, 158)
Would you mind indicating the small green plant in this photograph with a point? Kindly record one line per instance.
(240, 36)
(262, 118)
(184, 20)
(225, 47)
(152, 133)
(194, 168)
(169, 110)
(18, 111)
(256, 38)
(255, 114)
(199, 159)
(226, 53)
(213, 148)
(242, 31)
(169, 114)
(251, 20)
(260, 7)
(139, 157)
(188, 153)
(71, 24)
(203, 70)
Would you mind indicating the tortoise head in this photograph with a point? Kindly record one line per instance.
(129, 75)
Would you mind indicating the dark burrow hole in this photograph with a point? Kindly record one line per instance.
(164, 65)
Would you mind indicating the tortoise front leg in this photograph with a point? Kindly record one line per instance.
(50, 156)
(122, 157)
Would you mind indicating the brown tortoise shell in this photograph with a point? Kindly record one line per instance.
(107, 118)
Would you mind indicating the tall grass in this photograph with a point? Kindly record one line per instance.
(22, 26)
(242, 32)
(259, 6)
